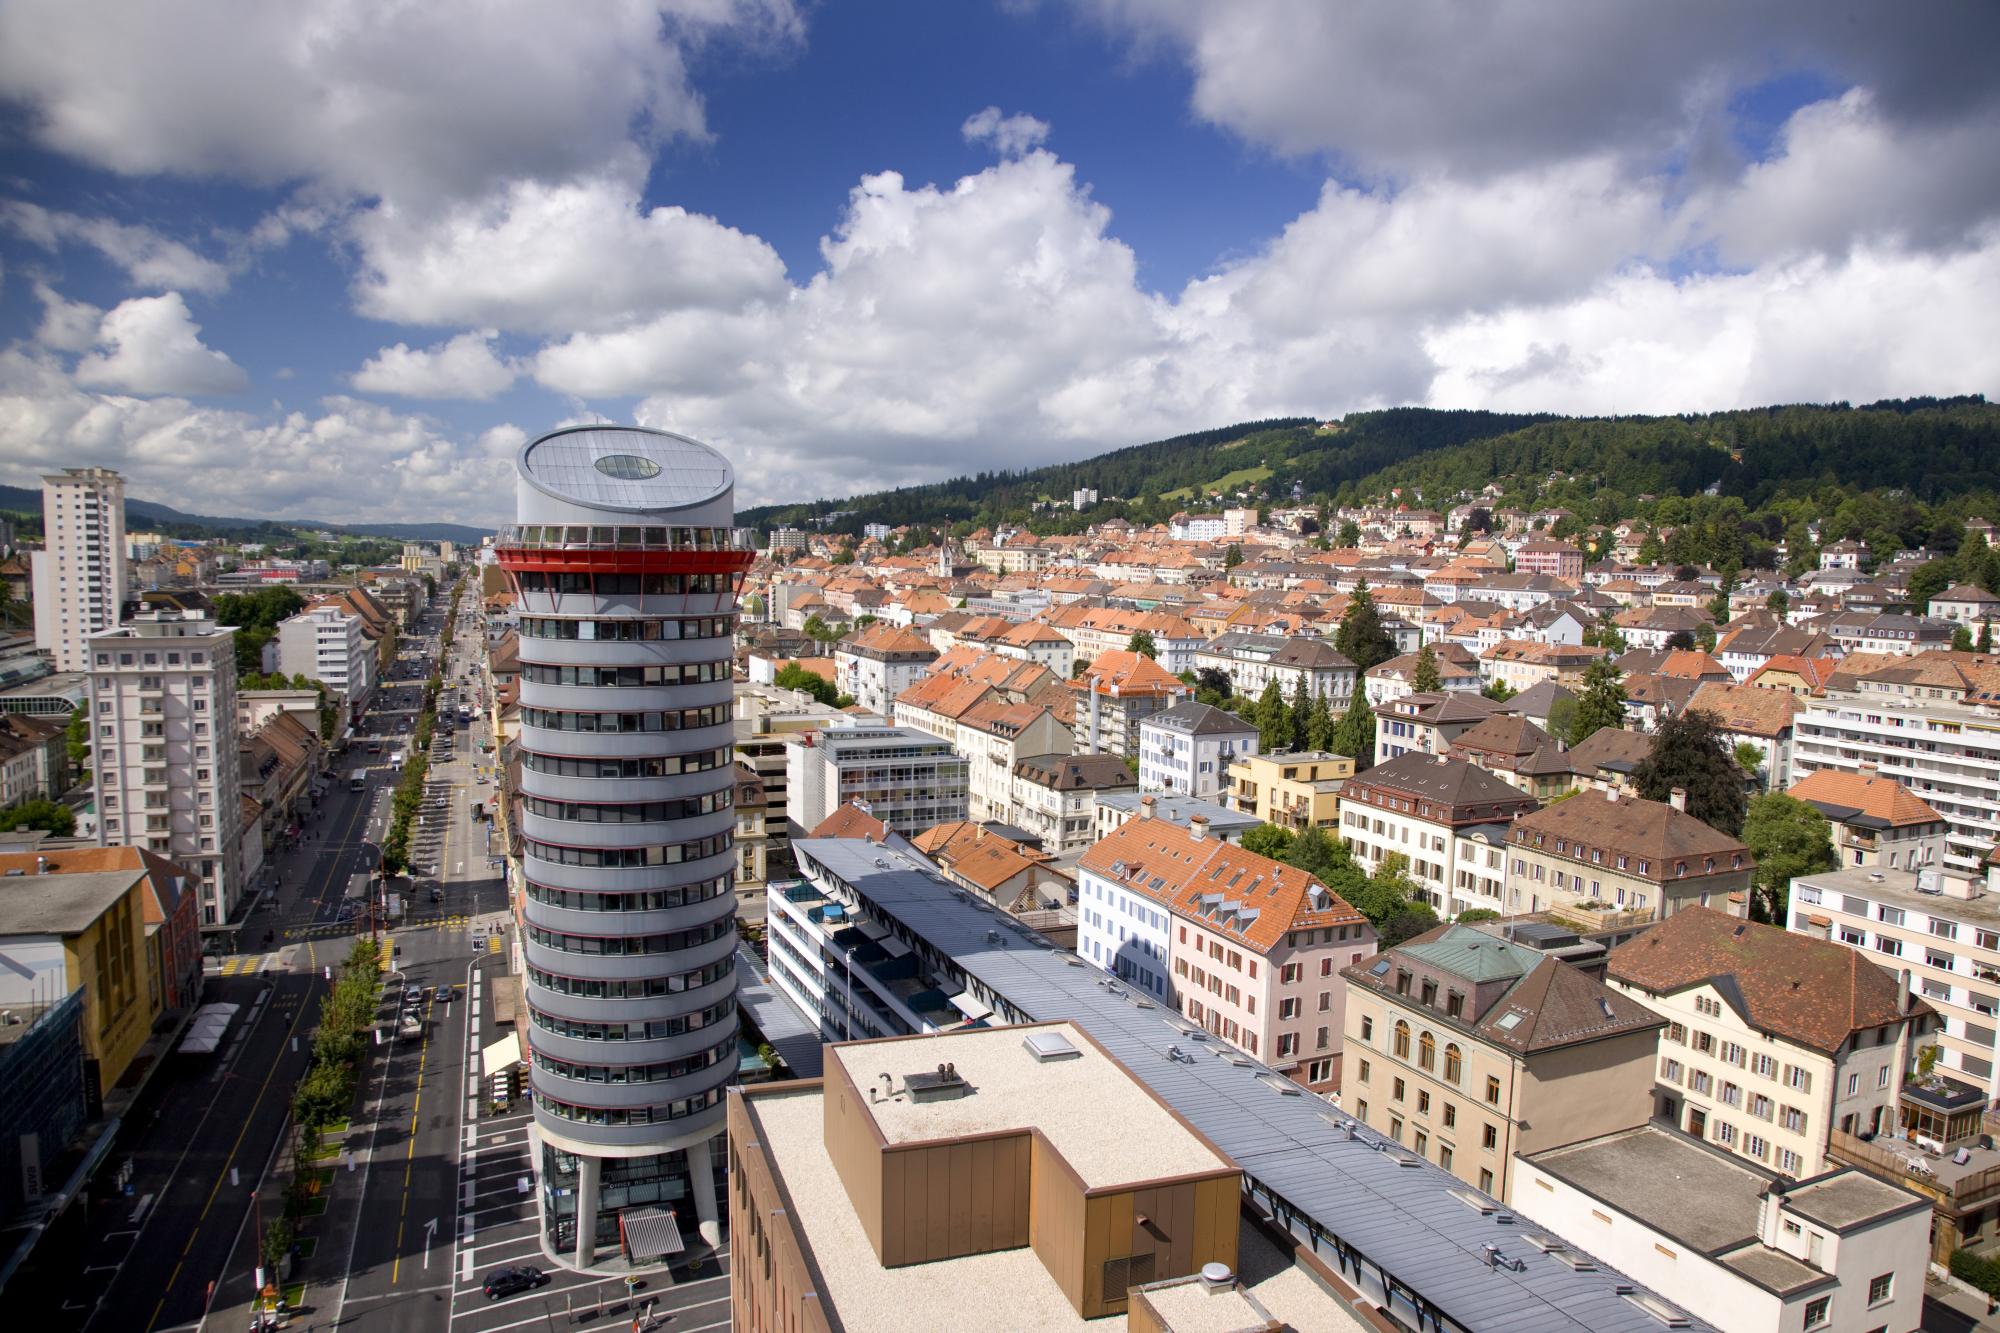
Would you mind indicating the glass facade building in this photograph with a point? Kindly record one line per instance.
(626, 569)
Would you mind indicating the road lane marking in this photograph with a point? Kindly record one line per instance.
(249, 1120)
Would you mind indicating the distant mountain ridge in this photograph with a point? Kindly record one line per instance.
(1926, 449)
(23, 500)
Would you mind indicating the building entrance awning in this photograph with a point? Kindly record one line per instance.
(501, 1055)
(650, 1233)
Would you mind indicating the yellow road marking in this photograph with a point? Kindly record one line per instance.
(410, 1154)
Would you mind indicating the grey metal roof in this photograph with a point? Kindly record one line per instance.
(624, 467)
(1361, 1201)
(790, 1033)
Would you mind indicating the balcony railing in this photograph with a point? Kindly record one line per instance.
(575, 538)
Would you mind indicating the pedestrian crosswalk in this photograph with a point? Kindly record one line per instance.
(241, 965)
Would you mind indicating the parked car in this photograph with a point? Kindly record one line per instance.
(507, 1281)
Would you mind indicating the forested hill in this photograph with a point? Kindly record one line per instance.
(1265, 456)
(1922, 453)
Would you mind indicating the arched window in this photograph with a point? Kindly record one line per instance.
(1427, 1051)
(1402, 1041)
(1453, 1062)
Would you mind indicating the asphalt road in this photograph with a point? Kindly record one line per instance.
(442, 1200)
(147, 1261)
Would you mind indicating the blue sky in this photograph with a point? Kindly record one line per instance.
(346, 277)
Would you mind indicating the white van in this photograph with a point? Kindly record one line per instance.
(396, 761)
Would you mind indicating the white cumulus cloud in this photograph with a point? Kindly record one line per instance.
(67, 326)
(148, 258)
(151, 345)
(464, 367)
(443, 99)
(585, 254)
(1011, 136)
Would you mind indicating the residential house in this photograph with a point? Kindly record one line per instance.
(1774, 1040)
(1559, 559)
(1521, 664)
(1842, 1252)
(1446, 817)
(1762, 719)
(1503, 745)
(879, 663)
(1294, 791)
(1055, 796)
(1246, 947)
(1014, 878)
(1457, 667)
(1469, 1050)
(34, 758)
(1877, 821)
(1965, 604)
(1190, 747)
(1429, 722)
(994, 737)
(1118, 691)
(1603, 852)
(1253, 661)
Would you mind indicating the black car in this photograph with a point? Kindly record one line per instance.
(507, 1281)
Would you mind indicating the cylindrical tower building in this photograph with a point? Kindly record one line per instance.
(626, 568)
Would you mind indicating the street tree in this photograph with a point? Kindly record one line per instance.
(1694, 753)
(1425, 678)
(1602, 703)
(1788, 838)
(1141, 643)
(1355, 734)
(1268, 840)
(51, 816)
(1321, 725)
(1274, 720)
(1361, 639)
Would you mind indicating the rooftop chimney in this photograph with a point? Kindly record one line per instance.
(1678, 799)
(41, 865)
(1145, 807)
(1198, 827)
(1611, 795)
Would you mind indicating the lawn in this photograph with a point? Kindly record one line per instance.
(1225, 483)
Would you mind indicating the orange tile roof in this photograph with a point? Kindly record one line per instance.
(1691, 664)
(1870, 793)
(1810, 991)
(850, 821)
(1748, 709)
(1124, 673)
(1142, 851)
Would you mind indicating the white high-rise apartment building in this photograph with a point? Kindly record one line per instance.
(163, 732)
(79, 576)
(326, 643)
(1943, 750)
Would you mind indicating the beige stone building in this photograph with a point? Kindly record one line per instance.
(1773, 1040)
(1467, 1050)
(1448, 817)
(1622, 855)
